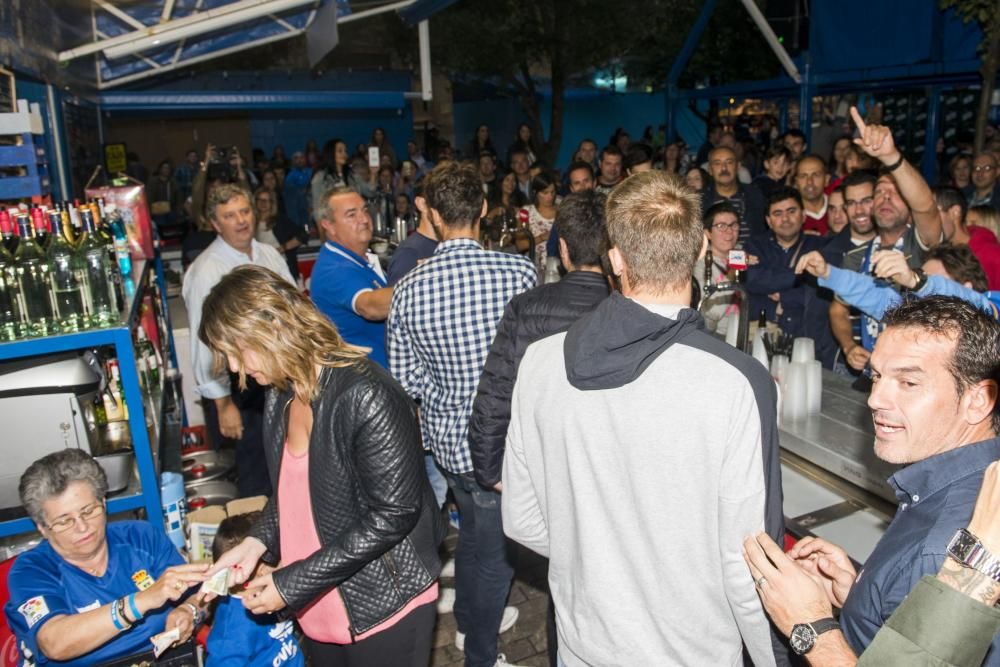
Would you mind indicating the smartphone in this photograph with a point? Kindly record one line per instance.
(373, 158)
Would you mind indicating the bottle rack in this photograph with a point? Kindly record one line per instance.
(21, 148)
(146, 494)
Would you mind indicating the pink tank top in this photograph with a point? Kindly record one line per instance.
(325, 620)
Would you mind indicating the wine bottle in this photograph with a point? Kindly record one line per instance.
(41, 227)
(67, 279)
(10, 316)
(32, 268)
(7, 227)
(97, 274)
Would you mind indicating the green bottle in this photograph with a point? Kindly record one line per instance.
(100, 298)
(67, 279)
(32, 269)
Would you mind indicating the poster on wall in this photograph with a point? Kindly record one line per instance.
(115, 159)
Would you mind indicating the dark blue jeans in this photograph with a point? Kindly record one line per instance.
(484, 567)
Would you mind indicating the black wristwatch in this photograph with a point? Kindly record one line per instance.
(804, 635)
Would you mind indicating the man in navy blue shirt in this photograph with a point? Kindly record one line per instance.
(418, 246)
(934, 405)
(794, 303)
(348, 285)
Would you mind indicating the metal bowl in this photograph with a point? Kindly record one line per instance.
(213, 493)
(118, 468)
(206, 466)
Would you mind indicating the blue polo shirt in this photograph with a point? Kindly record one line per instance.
(337, 279)
(241, 639)
(43, 585)
(936, 497)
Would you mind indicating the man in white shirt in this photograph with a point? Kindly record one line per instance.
(229, 413)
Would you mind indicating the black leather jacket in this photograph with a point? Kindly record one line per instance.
(531, 316)
(373, 508)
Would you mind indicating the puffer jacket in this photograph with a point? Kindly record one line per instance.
(531, 316)
(372, 505)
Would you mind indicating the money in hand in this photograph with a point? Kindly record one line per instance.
(164, 640)
(218, 583)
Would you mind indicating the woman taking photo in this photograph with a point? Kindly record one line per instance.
(353, 522)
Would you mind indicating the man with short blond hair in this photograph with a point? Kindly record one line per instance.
(637, 406)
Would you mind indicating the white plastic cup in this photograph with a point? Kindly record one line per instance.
(779, 367)
(814, 389)
(796, 402)
(759, 350)
(803, 350)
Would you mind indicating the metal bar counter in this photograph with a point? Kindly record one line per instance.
(834, 485)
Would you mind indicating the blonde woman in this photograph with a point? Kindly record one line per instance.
(353, 520)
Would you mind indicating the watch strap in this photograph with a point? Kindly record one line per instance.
(824, 625)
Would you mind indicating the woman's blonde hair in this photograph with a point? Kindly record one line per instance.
(253, 308)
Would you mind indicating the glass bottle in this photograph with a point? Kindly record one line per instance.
(67, 279)
(118, 233)
(32, 268)
(103, 232)
(41, 227)
(10, 316)
(7, 227)
(99, 292)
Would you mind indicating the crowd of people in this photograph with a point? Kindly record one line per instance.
(591, 413)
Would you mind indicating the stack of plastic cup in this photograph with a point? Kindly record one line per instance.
(814, 388)
(796, 401)
(803, 350)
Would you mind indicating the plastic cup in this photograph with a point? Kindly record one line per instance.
(803, 350)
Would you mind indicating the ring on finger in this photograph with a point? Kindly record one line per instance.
(759, 582)
(178, 586)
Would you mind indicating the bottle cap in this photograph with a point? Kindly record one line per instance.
(196, 503)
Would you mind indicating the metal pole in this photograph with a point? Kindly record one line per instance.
(424, 35)
(683, 56)
(929, 166)
(772, 40)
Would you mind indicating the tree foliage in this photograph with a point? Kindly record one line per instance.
(987, 14)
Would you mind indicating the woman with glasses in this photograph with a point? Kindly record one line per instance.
(722, 229)
(93, 592)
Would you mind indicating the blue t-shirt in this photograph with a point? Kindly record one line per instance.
(337, 279)
(43, 585)
(241, 639)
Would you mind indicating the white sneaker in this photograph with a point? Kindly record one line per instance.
(446, 601)
(502, 661)
(507, 621)
(448, 569)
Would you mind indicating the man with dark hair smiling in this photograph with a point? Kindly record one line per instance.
(935, 371)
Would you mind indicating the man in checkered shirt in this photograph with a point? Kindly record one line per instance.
(442, 319)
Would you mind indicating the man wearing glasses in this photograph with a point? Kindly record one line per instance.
(984, 190)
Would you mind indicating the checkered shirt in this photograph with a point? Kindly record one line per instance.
(442, 320)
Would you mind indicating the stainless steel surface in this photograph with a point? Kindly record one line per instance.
(63, 373)
(840, 439)
(215, 493)
(206, 466)
(118, 468)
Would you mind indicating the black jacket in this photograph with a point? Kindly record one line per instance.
(373, 507)
(540, 312)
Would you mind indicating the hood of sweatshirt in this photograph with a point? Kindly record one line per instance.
(613, 344)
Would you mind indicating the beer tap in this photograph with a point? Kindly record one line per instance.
(734, 285)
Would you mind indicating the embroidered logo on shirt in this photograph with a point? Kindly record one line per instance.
(34, 610)
(142, 580)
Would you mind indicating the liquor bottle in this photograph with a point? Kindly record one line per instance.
(117, 229)
(147, 354)
(103, 232)
(68, 232)
(7, 227)
(32, 269)
(41, 227)
(74, 218)
(97, 275)
(10, 316)
(67, 279)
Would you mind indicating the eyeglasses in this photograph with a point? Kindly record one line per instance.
(851, 203)
(725, 226)
(983, 167)
(86, 515)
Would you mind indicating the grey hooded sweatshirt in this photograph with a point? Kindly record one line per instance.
(641, 451)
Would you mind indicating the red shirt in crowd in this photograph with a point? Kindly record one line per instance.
(984, 245)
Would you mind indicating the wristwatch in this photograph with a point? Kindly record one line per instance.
(804, 635)
(970, 552)
(921, 280)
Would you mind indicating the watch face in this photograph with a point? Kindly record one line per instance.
(803, 638)
(961, 545)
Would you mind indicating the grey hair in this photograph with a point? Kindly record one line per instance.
(223, 194)
(50, 475)
(325, 210)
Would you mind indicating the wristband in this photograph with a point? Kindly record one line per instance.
(114, 616)
(195, 613)
(122, 616)
(136, 616)
(897, 164)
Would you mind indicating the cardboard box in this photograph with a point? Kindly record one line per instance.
(203, 524)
